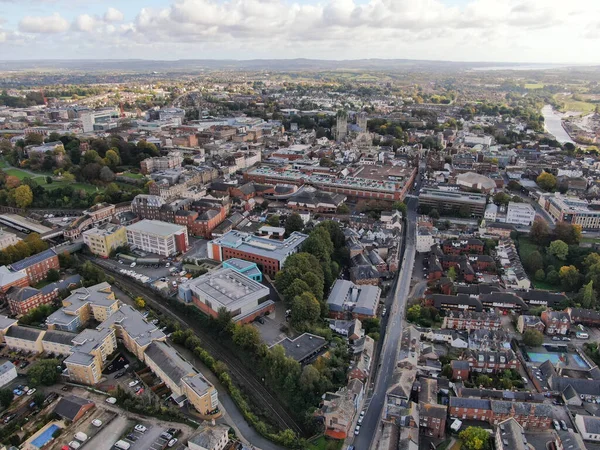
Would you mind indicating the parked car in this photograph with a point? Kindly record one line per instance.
(172, 442)
(140, 392)
(563, 425)
(173, 431)
(556, 425)
(566, 339)
(166, 435)
(132, 437)
(97, 422)
(555, 338)
(141, 428)
(111, 400)
(31, 391)
(357, 430)
(23, 364)
(134, 383)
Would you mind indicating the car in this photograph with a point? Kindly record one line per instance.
(23, 364)
(172, 442)
(566, 339)
(384, 312)
(132, 265)
(173, 431)
(167, 436)
(140, 392)
(31, 391)
(138, 388)
(555, 338)
(141, 428)
(563, 425)
(18, 392)
(259, 319)
(111, 400)
(360, 420)
(556, 425)
(132, 437)
(357, 430)
(119, 374)
(362, 413)
(134, 383)
(97, 422)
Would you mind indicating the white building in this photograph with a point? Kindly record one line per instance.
(100, 120)
(154, 236)
(520, 214)
(491, 212)
(589, 427)
(424, 240)
(8, 372)
(209, 437)
(7, 239)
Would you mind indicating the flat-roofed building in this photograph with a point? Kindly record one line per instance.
(158, 237)
(520, 214)
(229, 289)
(448, 202)
(572, 210)
(349, 300)
(268, 254)
(91, 349)
(102, 240)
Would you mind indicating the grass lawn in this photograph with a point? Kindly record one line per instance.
(41, 180)
(78, 186)
(20, 174)
(568, 104)
(135, 176)
(534, 86)
(545, 286)
(325, 444)
(526, 247)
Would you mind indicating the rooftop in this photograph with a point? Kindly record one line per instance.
(303, 346)
(135, 325)
(27, 334)
(34, 259)
(269, 248)
(59, 337)
(156, 227)
(100, 295)
(169, 361)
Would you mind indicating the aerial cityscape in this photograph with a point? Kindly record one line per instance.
(275, 225)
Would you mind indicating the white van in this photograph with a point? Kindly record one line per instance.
(123, 445)
(582, 335)
(81, 437)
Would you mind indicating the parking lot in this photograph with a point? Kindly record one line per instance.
(270, 330)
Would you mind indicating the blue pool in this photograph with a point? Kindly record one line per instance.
(45, 437)
(556, 357)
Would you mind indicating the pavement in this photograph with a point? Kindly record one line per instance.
(394, 326)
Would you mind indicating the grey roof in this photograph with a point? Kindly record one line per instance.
(62, 284)
(460, 364)
(19, 332)
(511, 434)
(522, 408)
(68, 407)
(198, 383)
(97, 295)
(21, 294)
(591, 424)
(571, 440)
(84, 343)
(476, 403)
(303, 346)
(581, 385)
(156, 227)
(134, 324)
(578, 314)
(59, 317)
(170, 362)
(34, 259)
(569, 392)
(5, 367)
(208, 435)
(347, 296)
(60, 337)
(5, 322)
(269, 248)
(7, 276)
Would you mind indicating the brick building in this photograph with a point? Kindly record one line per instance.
(471, 320)
(37, 266)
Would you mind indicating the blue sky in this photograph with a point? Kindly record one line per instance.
(547, 31)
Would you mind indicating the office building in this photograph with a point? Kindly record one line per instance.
(101, 120)
(351, 301)
(102, 240)
(571, 210)
(161, 238)
(268, 254)
(520, 214)
(455, 203)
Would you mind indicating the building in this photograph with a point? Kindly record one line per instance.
(268, 254)
(491, 212)
(588, 427)
(530, 416)
(424, 240)
(432, 417)
(556, 322)
(509, 436)
(21, 300)
(244, 267)
(7, 239)
(8, 372)
(460, 369)
(209, 437)
(100, 120)
(527, 322)
(474, 180)
(181, 378)
(91, 348)
(463, 246)
(58, 342)
(571, 210)
(338, 411)
(102, 240)
(172, 161)
(37, 266)
(448, 202)
(304, 348)
(227, 288)
(5, 324)
(520, 214)
(583, 316)
(308, 199)
(491, 361)
(24, 339)
(9, 279)
(73, 408)
(471, 320)
(157, 237)
(348, 300)
(569, 440)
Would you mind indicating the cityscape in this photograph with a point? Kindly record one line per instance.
(271, 247)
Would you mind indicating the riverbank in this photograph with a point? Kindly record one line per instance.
(553, 124)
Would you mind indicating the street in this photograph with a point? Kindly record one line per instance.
(389, 353)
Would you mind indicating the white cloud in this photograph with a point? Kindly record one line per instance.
(85, 22)
(44, 25)
(113, 15)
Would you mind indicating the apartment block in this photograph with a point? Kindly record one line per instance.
(448, 202)
(102, 240)
(37, 266)
(9, 279)
(91, 348)
(269, 255)
(157, 237)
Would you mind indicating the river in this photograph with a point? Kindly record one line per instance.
(553, 124)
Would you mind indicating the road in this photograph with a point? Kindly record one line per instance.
(393, 332)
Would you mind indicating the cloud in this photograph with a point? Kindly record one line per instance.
(113, 15)
(85, 23)
(43, 25)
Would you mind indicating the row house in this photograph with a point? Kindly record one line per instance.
(463, 246)
(21, 300)
(556, 322)
(491, 361)
(584, 316)
(484, 339)
(527, 322)
(531, 416)
(471, 320)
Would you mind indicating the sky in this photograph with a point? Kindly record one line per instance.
(536, 31)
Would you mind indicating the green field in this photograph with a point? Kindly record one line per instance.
(526, 247)
(20, 174)
(135, 176)
(534, 86)
(41, 180)
(569, 104)
(325, 444)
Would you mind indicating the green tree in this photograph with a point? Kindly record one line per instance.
(43, 372)
(68, 177)
(501, 198)
(532, 338)
(53, 275)
(23, 196)
(546, 181)
(434, 214)
(540, 275)
(552, 277)
(571, 234)
(400, 206)
(293, 223)
(475, 438)
(539, 231)
(140, 303)
(305, 309)
(452, 273)
(483, 380)
(569, 277)
(343, 209)
(588, 297)
(112, 159)
(534, 262)
(6, 397)
(273, 220)
(413, 313)
(246, 336)
(559, 248)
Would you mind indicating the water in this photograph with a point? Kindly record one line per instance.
(556, 357)
(45, 437)
(553, 125)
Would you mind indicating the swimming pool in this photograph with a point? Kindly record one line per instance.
(556, 357)
(45, 437)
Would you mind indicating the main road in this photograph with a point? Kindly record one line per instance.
(393, 332)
